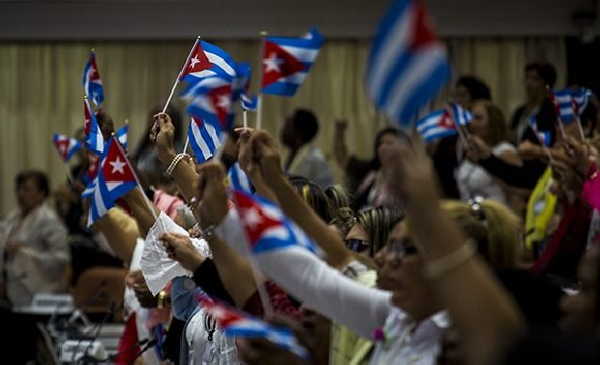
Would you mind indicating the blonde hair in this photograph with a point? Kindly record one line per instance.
(496, 230)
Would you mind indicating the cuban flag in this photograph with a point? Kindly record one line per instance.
(407, 64)
(121, 136)
(204, 139)
(211, 100)
(195, 63)
(114, 179)
(436, 125)
(266, 227)
(249, 102)
(241, 86)
(66, 146)
(92, 84)
(565, 106)
(287, 61)
(238, 324)
(208, 60)
(443, 123)
(238, 179)
(581, 97)
(94, 140)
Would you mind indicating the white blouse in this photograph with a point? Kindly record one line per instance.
(474, 181)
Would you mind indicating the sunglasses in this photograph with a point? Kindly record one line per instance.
(357, 245)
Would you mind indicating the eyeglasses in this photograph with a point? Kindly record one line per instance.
(357, 245)
(403, 247)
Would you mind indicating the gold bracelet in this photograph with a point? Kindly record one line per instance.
(436, 268)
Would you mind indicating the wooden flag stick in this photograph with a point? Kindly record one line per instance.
(179, 75)
(259, 101)
(245, 116)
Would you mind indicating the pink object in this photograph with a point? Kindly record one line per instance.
(378, 335)
(167, 203)
(591, 189)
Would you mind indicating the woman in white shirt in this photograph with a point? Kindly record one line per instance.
(473, 180)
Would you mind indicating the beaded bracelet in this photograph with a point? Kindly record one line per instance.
(174, 163)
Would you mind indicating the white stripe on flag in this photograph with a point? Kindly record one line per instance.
(393, 45)
(219, 61)
(206, 152)
(417, 71)
(303, 54)
(98, 201)
(212, 132)
(296, 78)
(203, 103)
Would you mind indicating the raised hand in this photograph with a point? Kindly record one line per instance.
(477, 149)
(180, 249)
(163, 135)
(211, 193)
(411, 176)
(265, 154)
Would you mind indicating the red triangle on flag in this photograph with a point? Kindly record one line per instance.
(423, 34)
(254, 219)
(220, 98)
(62, 145)
(116, 167)
(87, 117)
(278, 63)
(446, 121)
(196, 62)
(93, 72)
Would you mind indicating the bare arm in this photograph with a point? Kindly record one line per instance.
(292, 204)
(121, 232)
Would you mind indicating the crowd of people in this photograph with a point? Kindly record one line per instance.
(480, 248)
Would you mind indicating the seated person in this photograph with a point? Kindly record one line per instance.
(35, 251)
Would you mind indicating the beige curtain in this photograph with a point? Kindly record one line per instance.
(40, 90)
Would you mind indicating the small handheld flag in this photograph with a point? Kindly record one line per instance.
(66, 146)
(211, 101)
(92, 84)
(204, 139)
(94, 139)
(238, 324)
(443, 123)
(114, 179)
(209, 60)
(239, 180)
(287, 61)
(408, 64)
(195, 63)
(267, 228)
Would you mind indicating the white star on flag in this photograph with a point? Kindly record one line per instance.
(194, 61)
(117, 165)
(252, 217)
(223, 102)
(272, 63)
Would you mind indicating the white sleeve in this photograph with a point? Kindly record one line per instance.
(157, 267)
(311, 280)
